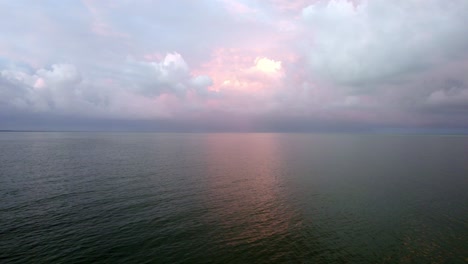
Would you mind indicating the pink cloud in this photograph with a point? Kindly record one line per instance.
(293, 6)
(39, 84)
(236, 7)
(241, 70)
(98, 24)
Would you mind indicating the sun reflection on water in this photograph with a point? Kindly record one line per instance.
(245, 185)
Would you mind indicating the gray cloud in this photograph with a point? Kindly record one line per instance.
(344, 64)
(382, 41)
(142, 89)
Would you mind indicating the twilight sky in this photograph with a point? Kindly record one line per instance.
(234, 65)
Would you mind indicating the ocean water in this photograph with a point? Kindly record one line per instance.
(232, 198)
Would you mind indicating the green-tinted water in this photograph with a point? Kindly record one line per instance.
(232, 198)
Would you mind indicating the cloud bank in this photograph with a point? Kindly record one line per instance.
(235, 64)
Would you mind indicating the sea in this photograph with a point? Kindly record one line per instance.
(102, 197)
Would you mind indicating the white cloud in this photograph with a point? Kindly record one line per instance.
(170, 75)
(60, 74)
(378, 41)
(142, 89)
(59, 88)
(202, 81)
(267, 65)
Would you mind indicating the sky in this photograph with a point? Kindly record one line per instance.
(234, 65)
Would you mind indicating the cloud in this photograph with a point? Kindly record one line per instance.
(59, 88)
(453, 98)
(267, 66)
(380, 41)
(59, 75)
(368, 62)
(141, 90)
(170, 75)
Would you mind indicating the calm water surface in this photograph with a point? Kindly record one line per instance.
(232, 198)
